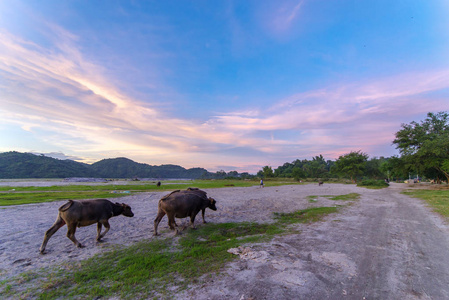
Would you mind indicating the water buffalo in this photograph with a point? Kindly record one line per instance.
(320, 183)
(85, 213)
(182, 204)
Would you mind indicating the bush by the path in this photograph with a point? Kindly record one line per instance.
(374, 184)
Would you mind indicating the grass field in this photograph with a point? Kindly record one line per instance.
(437, 199)
(11, 195)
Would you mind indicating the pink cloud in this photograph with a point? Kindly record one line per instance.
(357, 115)
(59, 91)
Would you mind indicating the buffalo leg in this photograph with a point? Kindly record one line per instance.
(55, 227)
(202, 213)
(98, 231)
(192, 221)
(71, 235)
(172, 223)
(106, 225)
(160, 215)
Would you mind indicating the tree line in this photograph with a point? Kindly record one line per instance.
(423, 148)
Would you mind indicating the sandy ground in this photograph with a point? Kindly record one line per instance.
(384, 246)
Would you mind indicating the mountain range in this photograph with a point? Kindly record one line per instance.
(14, 165)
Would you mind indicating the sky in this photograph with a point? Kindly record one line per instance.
(222, 85)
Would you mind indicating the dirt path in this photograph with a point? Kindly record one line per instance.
(384, 246)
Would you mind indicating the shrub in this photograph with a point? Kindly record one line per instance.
(373, 183)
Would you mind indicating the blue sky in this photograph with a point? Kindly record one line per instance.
(232, 85)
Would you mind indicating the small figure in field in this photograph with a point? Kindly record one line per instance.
(158, 184)
(261, 183)
(84, 213)
(182, 204)
(320, 183)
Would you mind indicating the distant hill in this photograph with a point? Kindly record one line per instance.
(125, 168)
(15, 165)
(27, 165)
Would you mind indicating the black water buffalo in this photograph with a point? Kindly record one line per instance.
(85, 213)
(182, 204)
(320, 183)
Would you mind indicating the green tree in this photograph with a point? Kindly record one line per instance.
(351, 164)
(267, 172)
(233, 174)
(220, 174)
(318, 167)
(373, 168)
(298, 173)
(284, 170)
(426, 144)
(245, 175)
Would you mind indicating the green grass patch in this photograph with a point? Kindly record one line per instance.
(309, 215)
(160, 267)
(134, 186)
(346, 197)
(10, 195)
(373, 184)
(437, 199)
(312, 199)
(28, 198)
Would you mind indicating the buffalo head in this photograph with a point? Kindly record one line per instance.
(126, 210)
(212, 203)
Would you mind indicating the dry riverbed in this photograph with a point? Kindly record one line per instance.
(383, 246)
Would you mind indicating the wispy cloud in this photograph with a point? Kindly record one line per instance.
(69, 102)
(362, 114)
(294, 12)
(285, 15)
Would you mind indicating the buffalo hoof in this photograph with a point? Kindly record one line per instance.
(80, 246)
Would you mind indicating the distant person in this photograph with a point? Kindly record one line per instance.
(261, 183)
(158, 184)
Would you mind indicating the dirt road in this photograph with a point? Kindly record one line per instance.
(384, 246)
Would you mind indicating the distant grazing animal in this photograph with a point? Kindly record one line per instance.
(85, 213)
(182, 204)
(320, 183)
(158, 184)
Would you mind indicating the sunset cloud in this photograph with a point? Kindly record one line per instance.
(361, 114)
(100, 118)
(241, 85)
